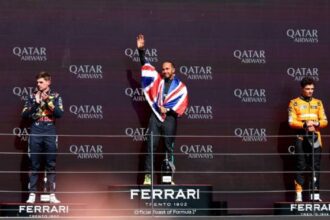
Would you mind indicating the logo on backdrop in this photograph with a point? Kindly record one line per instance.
(150, 54)
(197, 72)
(137, 134)
(23, 92)
(303, 35)
(197, 151)
(251, 134)
(87, 111)
(199, 112)
(291, 149)
(251, 95)
(31, 53)
(87, 151)
(298, 73)
(136, 94)
(21, 133)
(87, 71)
(250, 56)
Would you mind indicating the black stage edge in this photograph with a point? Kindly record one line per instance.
(41, 210)
(302, 208)
(166, 200)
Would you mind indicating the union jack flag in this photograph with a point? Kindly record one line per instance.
(153, 86)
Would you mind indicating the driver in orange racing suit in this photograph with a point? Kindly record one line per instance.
(307, 116)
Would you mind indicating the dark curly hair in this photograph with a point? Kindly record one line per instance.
(307, 81)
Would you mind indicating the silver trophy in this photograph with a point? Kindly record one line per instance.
(44, 197)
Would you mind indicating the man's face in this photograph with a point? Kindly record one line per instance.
(168, 70)
(42, 84)
(308, 91)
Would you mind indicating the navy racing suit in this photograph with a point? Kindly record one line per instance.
(43, 140)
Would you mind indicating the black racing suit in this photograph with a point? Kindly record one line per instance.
(43, 139)
(158, 128)
(304, 160)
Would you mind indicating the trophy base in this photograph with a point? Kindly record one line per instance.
(44, 198)
(167, 180)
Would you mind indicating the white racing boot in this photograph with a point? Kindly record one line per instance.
(32, 198)
(298, 197)
(53, 199)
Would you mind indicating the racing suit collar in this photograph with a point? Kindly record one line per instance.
(48, 92)
(306, 99)
(167, 80)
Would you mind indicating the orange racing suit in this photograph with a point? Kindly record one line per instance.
(301, 110)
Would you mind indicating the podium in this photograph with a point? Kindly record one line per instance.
(302, 208)
(164, 200)
(130, 201)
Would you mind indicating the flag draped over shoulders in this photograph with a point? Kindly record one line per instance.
(153, 86)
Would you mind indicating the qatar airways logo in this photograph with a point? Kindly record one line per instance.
(30, 53)
(251, 134)
(197, 72)
(87, 151)
(303, 35)
(151, 54)
(136, 94)
(21, 133)
(251, 95)
(137, 134)
(87, 71)
(23, 92)
(197, 151)
(292, 149)
(250, 56)
(87, 111)
(196, 112)
(298, 73)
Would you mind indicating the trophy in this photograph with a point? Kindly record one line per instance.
(166, 171)
(44, 197)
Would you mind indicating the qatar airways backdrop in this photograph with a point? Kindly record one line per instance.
(241, 61)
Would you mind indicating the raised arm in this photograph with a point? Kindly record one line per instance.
(140, 42)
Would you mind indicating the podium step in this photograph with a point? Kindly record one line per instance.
(164, 200)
